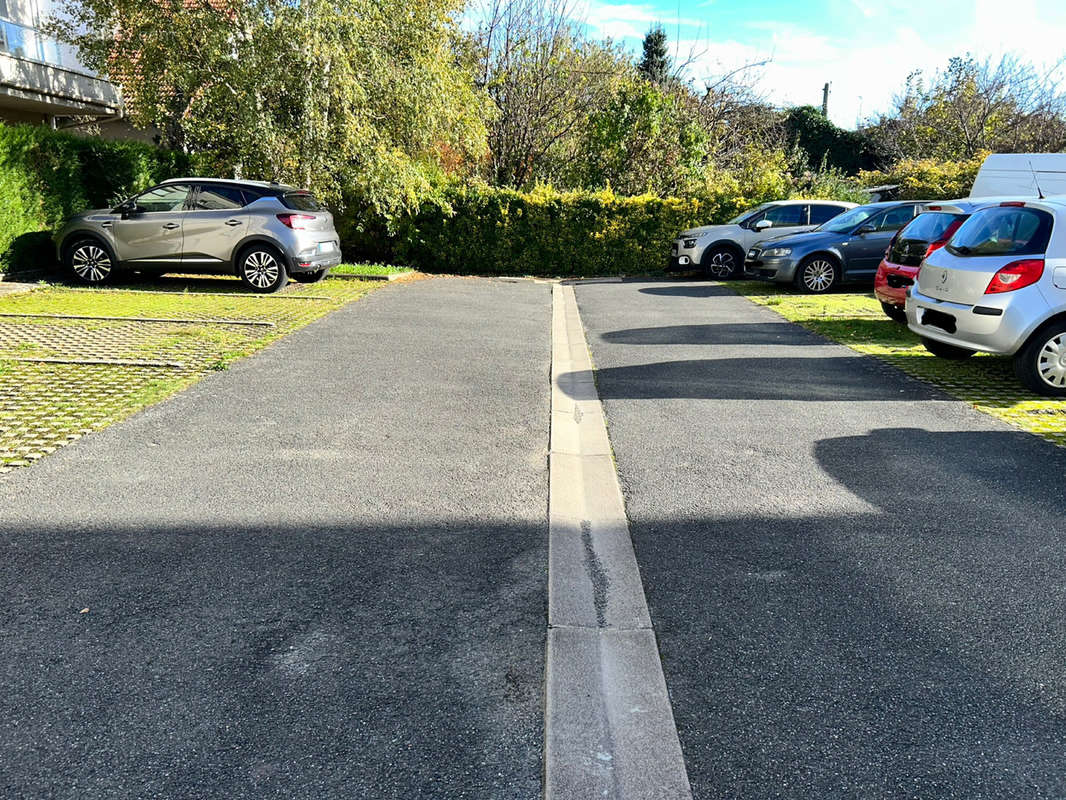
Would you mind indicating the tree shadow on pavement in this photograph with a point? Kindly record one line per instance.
(760, 333)
(837, 378)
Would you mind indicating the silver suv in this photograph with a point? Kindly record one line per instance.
(262, 232)
(999, 286)
(720, 249)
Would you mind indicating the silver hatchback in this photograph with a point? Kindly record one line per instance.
(264, 233)
(999, 286)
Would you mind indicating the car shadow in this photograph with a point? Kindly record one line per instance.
(831, 378)
(722, 334)
(690, 290)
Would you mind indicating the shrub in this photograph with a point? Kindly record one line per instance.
(928, 178)
(47, 176)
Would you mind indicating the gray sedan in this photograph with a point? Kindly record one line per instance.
(847, 248)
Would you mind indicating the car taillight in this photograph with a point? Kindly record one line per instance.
(944, 238)
(1016, 275)
(933, 247)
(298, 222)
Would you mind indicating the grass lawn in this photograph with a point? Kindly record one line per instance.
(62, 377)
(369, 269)
(855, 319)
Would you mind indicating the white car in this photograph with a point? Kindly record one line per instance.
(999, 286)
(719, 250)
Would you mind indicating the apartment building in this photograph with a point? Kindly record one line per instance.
(41, 80)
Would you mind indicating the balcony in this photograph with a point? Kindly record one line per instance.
(40, 76)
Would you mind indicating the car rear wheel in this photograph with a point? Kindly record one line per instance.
(310, 277)
(816, 275)
(944, 350)
(721, 263)
(90, 262)
(894, 312)
(1041, 363)
(261, 269)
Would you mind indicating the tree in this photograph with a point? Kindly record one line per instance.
(973, 106)
(545, 79)
(820, 142)
(341, 96)
(655, 62)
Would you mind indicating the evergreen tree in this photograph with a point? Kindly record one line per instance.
(655, 63)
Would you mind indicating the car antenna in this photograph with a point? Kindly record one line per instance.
(1039, 191)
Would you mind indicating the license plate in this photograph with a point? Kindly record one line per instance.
(326, 247)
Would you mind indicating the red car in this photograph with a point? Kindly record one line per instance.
(927, 232)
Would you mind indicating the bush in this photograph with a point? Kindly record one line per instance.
(47, 176)
(928, 178)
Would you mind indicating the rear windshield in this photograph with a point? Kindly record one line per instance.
(930, 226)
(301, 201)
(1010, 231)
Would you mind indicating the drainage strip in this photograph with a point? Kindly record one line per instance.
(609, 727)
(207, 321)
(111, 362)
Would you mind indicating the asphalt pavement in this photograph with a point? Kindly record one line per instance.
(858, 584)
(321, 573)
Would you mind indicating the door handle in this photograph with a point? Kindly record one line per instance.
(106, 224)
(170, 226)
(232, 222)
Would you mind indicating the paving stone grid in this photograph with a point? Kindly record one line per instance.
(45, 405)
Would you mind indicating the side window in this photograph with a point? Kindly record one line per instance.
(783, 216)
(219, 198)
(163, 198)
(896, 218)
(820, 214)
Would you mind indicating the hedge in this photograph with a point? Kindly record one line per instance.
(485, 231)
(47, 176)
(928, 178)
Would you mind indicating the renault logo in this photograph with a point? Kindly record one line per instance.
(943, 278)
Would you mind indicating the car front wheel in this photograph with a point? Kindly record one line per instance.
(721, 263)
(816, 275)
(261, 269)
(1041, 363)
(90, 262)
(944, 350)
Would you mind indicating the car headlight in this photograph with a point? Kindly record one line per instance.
(689, 243)
(777, 252)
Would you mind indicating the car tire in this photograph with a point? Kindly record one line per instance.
(816, 274)
(310, 277)
(1040, 363)
(90, 261)
(262, 269)
(894, 312)
(721, 263)
(944, 350)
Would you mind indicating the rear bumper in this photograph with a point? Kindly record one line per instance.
(314, 264)
(999, 326)
(892, 281)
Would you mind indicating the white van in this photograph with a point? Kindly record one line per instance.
(1021, 175)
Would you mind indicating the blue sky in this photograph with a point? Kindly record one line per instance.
(865, 48)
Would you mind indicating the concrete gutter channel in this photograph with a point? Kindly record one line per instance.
(609, 727)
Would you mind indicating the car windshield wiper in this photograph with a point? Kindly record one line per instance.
(961, 249)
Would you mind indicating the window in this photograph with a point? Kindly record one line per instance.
(849, 220)
(301, 201)
(219, 198)
(820, 214)
(783, 216)
(999, 231)
(170, 197)
(895, 219)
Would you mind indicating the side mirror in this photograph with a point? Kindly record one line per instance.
(763, 224)
(866, 229)
(129, 209)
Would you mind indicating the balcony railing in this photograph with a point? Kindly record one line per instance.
(23, 41)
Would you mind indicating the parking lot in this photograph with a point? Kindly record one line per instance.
(73, 360)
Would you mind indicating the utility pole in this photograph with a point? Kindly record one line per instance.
(825, 100)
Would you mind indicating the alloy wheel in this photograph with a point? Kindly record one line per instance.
(818, 275)
(722, 264)
(1051, 361)
(91, 263)
(261, 269)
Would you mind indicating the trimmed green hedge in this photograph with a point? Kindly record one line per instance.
(47, 176)
(486, 231)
